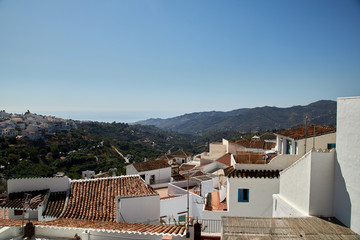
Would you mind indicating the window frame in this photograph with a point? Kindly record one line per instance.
(241, 194)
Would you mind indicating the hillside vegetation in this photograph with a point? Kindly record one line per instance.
(246, 119)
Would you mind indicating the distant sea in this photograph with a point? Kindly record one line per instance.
(124, 117)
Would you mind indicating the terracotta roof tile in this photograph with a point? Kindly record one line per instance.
(226, 159)
(181, 153)
(95, 199)
(233, 173)
(151, 165)
(256, 144)
(15, 200)
(177, 154)
(305, 132)
(55, 205)
(88, 224)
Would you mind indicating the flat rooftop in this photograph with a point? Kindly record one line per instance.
(313, 228)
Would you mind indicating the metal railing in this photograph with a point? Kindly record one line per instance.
(210, 225)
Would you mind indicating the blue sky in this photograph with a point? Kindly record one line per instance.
(133, 59)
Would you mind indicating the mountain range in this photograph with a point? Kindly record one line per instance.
(244, 119)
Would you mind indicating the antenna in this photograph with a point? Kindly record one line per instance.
(314, 137)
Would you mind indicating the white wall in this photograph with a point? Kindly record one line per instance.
(216, 150)
(172, 206)
(206, 187)
(295, 184)
(277, 163)
(139, 209)
(177, 188)
(233, 147)
(322, 183)
(307, 185)
(161, 175)
(10, 232)
(321, 142)
(30, 184)
(33, 215)
(260, 198)
(282, 208)
(131, 170)
(347, 167)
(212, 167)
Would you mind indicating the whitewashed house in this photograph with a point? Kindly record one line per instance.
(306, 187)
(4, 115)
(301, 140)
(248, 189)
(113, 199)
(153, 172)
(9, 132)
(326, 183)
(50, 192)
(179, 157)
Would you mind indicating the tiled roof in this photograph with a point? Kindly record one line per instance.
(231, 172)
(228, 170)
(115, 226)
(226, 159)
(128, 227)
(198, 174)
(151, 165)
(15, 200)
(3, 197)
(302, 132)
(55, 205)
(95, 199)
(179, 154)
(256, 144)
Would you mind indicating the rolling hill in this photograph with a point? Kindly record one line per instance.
(244, 119)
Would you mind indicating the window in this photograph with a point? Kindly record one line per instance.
(243, 195)
(182, 218)
(152, 179)
(331, 145)
(288, 146)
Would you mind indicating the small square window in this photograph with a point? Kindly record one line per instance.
(18, 212)
(331, 145)
(243, 195)
(182, 218)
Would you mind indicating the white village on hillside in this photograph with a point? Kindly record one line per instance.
(303, 185)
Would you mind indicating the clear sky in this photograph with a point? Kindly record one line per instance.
(131, 60)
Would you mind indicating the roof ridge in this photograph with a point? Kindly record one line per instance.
(104, 178)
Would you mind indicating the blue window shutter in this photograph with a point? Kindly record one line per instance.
(243, 195)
